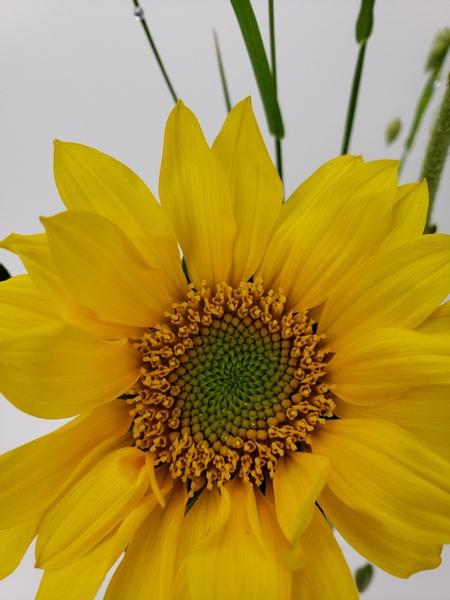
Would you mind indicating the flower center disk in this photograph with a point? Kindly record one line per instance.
(229, 382)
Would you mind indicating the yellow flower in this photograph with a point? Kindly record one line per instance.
(305, 370)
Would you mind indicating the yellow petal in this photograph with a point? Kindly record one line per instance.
(90, 180)
(137, 515)
(97, 454)
(81, 579)
(196, 524)
(256, 188)
(198, 521)
(150, 464)
(181, 585)
(218, 565)
(103, 270)
(438, 321)
(33, 475)
(298, 480)
(22, 306)
(398, 287)
(148, 568)
(323, 555)
(311, 190)
(386, 474)
(409, 213)
(58, 371)
(35, 255)
(92, 508)
(304, 197)
(403, 191)
(14, 543)
(397, 553)
(195, 193)
(384, 364)
(422, 411)
(276, 543)
(341, 230)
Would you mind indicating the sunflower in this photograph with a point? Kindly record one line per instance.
(295, 364)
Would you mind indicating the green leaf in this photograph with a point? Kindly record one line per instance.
(258, 58)
(363, 577)
(364, 24)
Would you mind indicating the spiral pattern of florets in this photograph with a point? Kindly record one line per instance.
(229, 382)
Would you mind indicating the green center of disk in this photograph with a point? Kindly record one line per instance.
(230, 380)
(235, 381)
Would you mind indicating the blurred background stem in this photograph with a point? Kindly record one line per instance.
(223, 78)
(436, 152)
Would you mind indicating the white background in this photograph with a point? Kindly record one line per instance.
(81, 70)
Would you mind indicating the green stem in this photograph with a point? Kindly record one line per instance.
(437, 151)
(273, 61)
(353, 98)
(223, 79)
(424, 101)
(435, 61)
(155, 52)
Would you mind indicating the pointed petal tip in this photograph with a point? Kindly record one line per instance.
(179, 109)
(4, 242)
(60, 146)
(179, 116)
(246, 102)
(244, 107)
(423, 183)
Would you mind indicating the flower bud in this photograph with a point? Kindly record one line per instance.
(438, 50)
(392, 130)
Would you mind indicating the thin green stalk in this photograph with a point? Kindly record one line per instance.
(353, 99)
(422, 105)
(434, 64)
(437, 151)
(223, 79)
(363, 31)
(273, 61)
(140, 16)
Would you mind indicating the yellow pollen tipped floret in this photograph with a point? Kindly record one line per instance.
(229, 382)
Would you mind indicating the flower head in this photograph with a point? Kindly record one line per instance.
(298, 366)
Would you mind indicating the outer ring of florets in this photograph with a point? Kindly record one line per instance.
(229, 382)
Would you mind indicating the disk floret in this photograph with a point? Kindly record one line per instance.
(229, 382)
